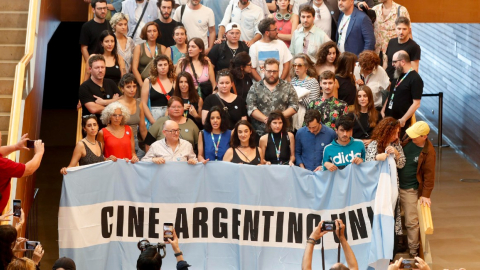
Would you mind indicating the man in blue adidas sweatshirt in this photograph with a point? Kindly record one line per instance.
(345, 149)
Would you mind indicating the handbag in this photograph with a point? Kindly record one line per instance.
(146, 72)
(367, 136)
(225, 108)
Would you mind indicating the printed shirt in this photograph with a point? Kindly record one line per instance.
(330, 109)
(308, 43)
(384, 29)
(183, 152)
(261, 98)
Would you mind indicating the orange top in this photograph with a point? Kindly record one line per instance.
(119, 147)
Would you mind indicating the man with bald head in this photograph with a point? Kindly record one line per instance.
(405, 91)
(171, 148)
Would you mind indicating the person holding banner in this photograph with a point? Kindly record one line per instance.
(216, 129)
(271, 143)
(243, 148)
(117, 136)
(171, 147)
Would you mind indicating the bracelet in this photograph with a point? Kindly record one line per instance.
(178, 254)
(312, 241)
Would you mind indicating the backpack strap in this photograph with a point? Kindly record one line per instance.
(398, 11)
(182, 10)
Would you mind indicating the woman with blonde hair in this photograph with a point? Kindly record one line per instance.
(125, 44)
(179, 50)
(22, 264)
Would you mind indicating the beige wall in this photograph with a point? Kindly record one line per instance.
(74, 11)
(442, 11)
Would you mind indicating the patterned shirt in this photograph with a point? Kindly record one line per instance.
(330, 109)
(183, 152)
(282, 97)
(384, 28)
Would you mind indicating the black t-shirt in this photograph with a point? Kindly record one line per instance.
(411, 47)
(411, 88)
(243, 85)
(347, 90)
(358, 132)
(236, 109)
(220, 54)
(90, 32)
(167, 32)
(88, 89)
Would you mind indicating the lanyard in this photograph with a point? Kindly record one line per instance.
(185, 113)
(277, 150)
(216, 146)
(399, 82)
(156, 50)
(341, 30)
(368, 78)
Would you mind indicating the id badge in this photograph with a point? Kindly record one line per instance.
(390, 105)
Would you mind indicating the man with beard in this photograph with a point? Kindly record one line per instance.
(166, 23)
(269, 47)
(134, 10)
(326, 12)
(402, 42)
(407, 91)
(308, 38)
(270, 94)
(345, 149)
(91, 30)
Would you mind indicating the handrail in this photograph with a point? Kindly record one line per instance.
(79, 136)
(19, 80)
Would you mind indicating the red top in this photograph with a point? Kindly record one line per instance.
(8, 169)
(284, 27)
(120, 148)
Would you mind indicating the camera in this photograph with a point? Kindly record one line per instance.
(31, 245)
(408, 264)
(143, 244)
(329, 226)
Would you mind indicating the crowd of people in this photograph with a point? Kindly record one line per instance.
(319, 84)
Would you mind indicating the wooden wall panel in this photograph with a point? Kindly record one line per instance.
(443, 11)
(449, 63)
(74, 11)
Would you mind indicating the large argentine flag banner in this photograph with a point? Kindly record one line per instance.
(227, 216)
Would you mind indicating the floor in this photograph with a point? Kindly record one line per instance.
(455, 205)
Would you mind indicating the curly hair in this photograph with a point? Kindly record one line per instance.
(154, 72)
(223, 122)
(346, 65)
(368, 60)
(323, 53)
(127, 78)
(372, 112)
(21, 264)
(384, 131)
(110, 110)
(116, 18)
(238, 63)
(201, 56)
(8, 235)
(193, 96)
(235, 141)
(311, 71)
(275, 115)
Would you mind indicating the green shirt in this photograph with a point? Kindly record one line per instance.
(408, 175)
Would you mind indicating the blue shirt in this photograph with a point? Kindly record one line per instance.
(309, 147)
(342, 155)
(218, 7)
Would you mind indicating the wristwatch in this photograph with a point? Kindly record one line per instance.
(178, 254)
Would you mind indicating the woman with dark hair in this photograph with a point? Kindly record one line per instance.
(278, 145)
(214, 139)
(304, 81)
(327, 57)
(346, 81)
(365, 115)
(88, 150)
(241, 69)
(114, 63)
(8, 236)
(192, 103)
(285, 20)
(149, 259)
(179, 50)
(199, 67)
(243, 148)
(157, 89)
(385, 142)
(144, 53)
(233, 105)
(136, 121)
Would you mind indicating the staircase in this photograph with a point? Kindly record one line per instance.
(13, 23)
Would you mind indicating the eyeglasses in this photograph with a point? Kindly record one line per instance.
(103, 92)
(249, 64)
(89, 116)
(271, 71)
(174, 131)
(395, 61)
(224, 73)
(176, 107)
(298, 65)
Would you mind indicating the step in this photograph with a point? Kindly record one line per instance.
(12, 51)
(4, 121)
(13, 35)
(7, 68)
(6, 85)
(5, 103)
(13, 19)
(17, 5)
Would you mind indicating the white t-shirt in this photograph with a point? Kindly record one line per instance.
(342, 32)
(296, 5)
(261, 51)
(377, 80)
(248, 19)
(196, 22)
(325, 21)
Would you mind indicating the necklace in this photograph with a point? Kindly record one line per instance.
(90, 141)
(297, 82)
(234, 51)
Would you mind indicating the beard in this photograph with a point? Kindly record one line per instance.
(272, 79)
(398, 72)
(166, 15)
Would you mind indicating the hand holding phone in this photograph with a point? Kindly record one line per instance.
(17, 208)
(167, 231)
(408, 264)
(31, 245)
(30, 144)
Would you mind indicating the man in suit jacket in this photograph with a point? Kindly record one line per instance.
(355, 29)
(326, 17)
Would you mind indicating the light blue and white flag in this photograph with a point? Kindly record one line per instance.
(227, 216)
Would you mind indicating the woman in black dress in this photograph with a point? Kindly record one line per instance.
(346, 80)
(192, 102)
(365, 116)
(278, 144)
(114, 63)
(243, 149)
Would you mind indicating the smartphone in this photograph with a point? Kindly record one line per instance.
(408, 264)
(30, 144)
(31, 245)
(167, 231)
(17, 208)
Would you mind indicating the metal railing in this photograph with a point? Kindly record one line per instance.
(440, 117)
